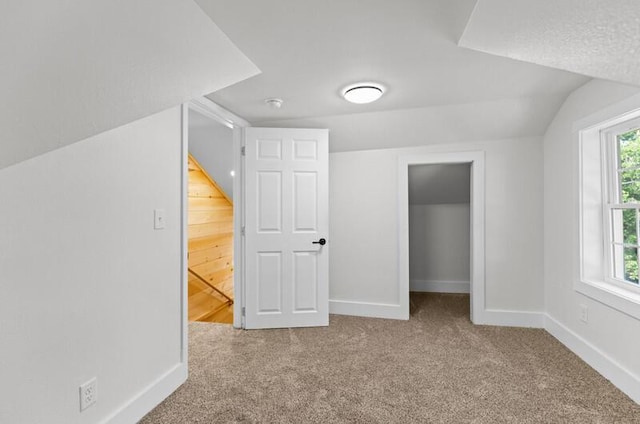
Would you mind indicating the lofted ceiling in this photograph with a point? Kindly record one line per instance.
(309, 50)
(84, 67)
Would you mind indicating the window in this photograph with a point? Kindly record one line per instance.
(608, 187)
(621, 147)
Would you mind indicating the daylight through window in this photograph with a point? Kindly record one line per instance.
(622, 144)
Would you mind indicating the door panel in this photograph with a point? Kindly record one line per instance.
(269, 279)
(269, 202)
(286, 210)
(305, 200)
(305, 284)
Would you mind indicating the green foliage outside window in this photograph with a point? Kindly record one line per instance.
(629, 172)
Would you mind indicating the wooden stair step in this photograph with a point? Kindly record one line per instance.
(204, 304)
(223, 316)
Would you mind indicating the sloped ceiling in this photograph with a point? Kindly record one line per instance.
(439, 184)
(309, 50)
(71, 69)
(598, 38)
(491, 120)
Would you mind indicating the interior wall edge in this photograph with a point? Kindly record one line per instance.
(150, 397)
(618, 375)
(436, 286)
(366, 309)
(505, 318)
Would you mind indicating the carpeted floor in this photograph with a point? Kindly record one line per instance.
(435, 368)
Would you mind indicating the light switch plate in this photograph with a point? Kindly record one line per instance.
(158, 219)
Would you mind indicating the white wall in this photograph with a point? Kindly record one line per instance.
(211, 143)
(439, 246)
(612, 333)
(87, 287)
(364, 222)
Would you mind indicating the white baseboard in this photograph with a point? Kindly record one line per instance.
(620, 377)
(437, 286)
(504, 318)
(150, 397)
(364, 309)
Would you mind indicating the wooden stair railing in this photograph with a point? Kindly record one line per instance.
(229, 301)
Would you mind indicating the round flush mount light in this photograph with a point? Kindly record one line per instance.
(363, 92)
(274, 103)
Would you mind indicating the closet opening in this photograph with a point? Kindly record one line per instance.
(440, 237)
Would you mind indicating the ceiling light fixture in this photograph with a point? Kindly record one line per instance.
(274, 103)
(363, 92)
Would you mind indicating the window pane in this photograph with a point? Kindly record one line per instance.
(629, 149)
(631, 264)
(626, 264)
(625, 224)
(630, 186)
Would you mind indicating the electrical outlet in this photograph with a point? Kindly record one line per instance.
(584, 317)
(88, 393)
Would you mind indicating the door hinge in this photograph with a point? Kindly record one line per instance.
(243, 152)
(242, 230)
(243, 311)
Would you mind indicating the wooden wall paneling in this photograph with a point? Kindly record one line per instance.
(210, 229)
(209, 254)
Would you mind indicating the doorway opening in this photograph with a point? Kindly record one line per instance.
(210, 219)
(439, 236)
(441, 228)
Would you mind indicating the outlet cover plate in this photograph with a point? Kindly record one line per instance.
(584, 313)
(88, 393)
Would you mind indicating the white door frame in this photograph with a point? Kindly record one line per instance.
(211, 110)
(477, 223)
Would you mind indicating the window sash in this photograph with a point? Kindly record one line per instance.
(613, 166)
(613, 170)
(615, 250)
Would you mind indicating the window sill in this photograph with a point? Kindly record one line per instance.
(618, 298)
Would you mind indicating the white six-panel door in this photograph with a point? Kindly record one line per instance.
(286, 211)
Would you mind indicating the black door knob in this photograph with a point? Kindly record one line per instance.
(321, 242)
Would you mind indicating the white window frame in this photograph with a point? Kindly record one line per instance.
(593, 262)
(612, 201)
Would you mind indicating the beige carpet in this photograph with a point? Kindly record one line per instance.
(435, 368)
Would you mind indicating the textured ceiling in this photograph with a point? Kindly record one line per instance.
(598, 38)
(309, 50)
